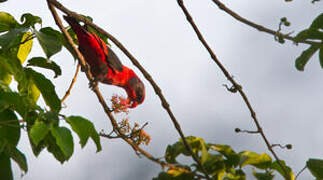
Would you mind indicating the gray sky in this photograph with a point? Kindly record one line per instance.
(287, 102)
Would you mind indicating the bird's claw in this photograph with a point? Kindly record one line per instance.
(93, 83)
(84, 68)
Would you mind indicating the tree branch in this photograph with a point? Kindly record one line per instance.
(257, 26)
(157, 90)
(72, 83)
(229, 77)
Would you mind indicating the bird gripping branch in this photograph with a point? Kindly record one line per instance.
(105, 65)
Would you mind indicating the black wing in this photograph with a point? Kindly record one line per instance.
(112, 59)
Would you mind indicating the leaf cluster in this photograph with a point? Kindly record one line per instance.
(19, 105)
(220, 162)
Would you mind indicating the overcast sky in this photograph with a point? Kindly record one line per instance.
(288, 103)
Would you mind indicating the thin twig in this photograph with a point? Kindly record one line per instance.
(300, 172)
(109, 136)
(107, 110)
(234, 83)
(257, 26)
(72, 83)
(143, 71)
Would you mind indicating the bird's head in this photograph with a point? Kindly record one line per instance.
(135, 90)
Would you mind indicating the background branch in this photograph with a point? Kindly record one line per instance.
(257, 26)
(234, 83)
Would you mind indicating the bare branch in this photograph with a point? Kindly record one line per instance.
(257, 26)
(72, 83)
(234, 83)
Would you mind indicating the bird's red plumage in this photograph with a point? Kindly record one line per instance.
(106, 66)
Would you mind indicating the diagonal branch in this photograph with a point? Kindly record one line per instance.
(234, 83)
(143, 71)
(72, 83)
(51, 4)
(257, 26)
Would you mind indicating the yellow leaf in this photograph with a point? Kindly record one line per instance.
(34, 92)
(25, 47)
(174, 172)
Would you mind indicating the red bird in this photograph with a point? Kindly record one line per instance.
(105, 65)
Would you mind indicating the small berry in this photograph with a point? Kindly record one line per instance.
(283, 19)
(286, 23)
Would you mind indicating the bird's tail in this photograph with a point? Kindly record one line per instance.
(77, 28)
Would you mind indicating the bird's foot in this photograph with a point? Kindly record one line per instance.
(93, 83)
(84, 68)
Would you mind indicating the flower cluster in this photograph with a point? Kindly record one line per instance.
(139, 136)
(135, 132)
(119, 104)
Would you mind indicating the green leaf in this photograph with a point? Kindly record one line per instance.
(4, 87)
(64, 140)
(25, 48)
(215, 165)
(51, 117)
(84, 129)
(28, 88)
(232, 157)
(262, 161)
(67, 45)
(53, 148)
(263, 176)
(172, 151)
(18, 157)
(30, 20)
(233, 174)
(38, 132)
(173, 174)
(5, 77)
(7, 22)
(31, 118)
(196, 143)
(321, 56)
(12, 100)
(50, 40)
(11, 64)
(5, 167)
(301, 61)
(318, 22)
(44, 63)
(47, 89)
(276, 166)
(12, 38)
(9, 127)
(308, 34)
(316, 167)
